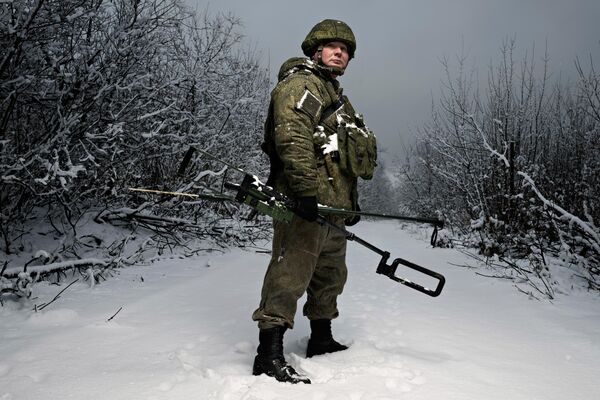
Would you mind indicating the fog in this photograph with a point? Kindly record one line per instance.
(397, 72)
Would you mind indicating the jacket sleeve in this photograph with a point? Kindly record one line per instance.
(294, 127)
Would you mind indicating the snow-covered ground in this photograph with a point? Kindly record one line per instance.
(184, 332)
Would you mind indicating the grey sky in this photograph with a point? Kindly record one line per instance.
(397, 66)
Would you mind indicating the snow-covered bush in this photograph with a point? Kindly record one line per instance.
(519, 165)
(97, 96)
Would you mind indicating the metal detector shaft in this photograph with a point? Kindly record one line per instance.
(338, 211)
(437, 223)
(390, 270)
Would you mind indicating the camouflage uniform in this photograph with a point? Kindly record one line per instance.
(307, 257)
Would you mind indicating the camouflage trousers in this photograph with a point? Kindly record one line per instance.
(307, 257)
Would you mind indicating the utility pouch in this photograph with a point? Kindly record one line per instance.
(358, 149)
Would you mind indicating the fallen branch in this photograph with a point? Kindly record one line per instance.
(510, 270)
(44, 305)
(55, 267)
(564, 214)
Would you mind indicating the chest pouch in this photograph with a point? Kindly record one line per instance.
(357, 147)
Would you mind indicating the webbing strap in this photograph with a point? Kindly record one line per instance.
(333, 107)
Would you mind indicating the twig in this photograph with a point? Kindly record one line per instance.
(510, 278)
(36, 309)
(462, 265)
(115, 314)
(530, 294)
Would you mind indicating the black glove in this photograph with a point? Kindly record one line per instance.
(307, 208)
(353, 219)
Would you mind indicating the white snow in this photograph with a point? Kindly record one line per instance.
(331, 145)
(184, 332)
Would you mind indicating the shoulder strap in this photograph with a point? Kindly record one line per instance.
(333, 107)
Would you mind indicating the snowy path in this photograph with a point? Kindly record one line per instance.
(185, 333)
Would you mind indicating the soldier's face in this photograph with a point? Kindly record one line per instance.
(335, 54)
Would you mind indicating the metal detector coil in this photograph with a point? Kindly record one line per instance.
(390, 271)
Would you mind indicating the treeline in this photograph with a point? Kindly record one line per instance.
(517, 162)
(97, 96)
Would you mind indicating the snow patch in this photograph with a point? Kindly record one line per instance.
(186, 333)
(50, 318)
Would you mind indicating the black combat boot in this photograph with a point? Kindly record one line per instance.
(270, 358)
(321, 340)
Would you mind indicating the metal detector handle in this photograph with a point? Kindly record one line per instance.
(390, 270)
(434, 235)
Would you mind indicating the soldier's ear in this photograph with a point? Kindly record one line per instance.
(317, 54)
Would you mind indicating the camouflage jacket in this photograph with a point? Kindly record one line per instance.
(303, 144)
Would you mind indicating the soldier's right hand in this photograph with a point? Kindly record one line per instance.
(307, 208)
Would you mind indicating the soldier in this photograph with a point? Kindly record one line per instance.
(318, 147)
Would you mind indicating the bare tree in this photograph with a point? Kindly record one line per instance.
(517, 166)
(97, 96)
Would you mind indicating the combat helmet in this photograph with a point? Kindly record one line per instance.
(329, 30)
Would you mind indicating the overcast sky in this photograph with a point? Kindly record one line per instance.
(397, 70)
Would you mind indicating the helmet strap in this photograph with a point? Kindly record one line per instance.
(318, 56)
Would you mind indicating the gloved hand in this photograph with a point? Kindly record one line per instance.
(307, 208)
(353, 219)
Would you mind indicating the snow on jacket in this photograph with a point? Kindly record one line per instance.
(304, 145)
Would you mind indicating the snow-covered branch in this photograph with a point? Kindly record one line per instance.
(546, 136)
(564, 215)
(486, 145)
(107, 95)
(55, 267)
